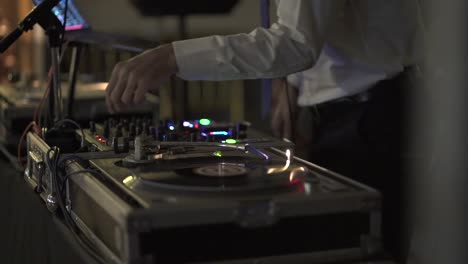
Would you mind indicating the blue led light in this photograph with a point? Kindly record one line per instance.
(172, 128)
(219, 133)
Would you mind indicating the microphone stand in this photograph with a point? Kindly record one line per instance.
(42, 14)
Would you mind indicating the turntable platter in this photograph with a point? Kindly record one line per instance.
(218, 175)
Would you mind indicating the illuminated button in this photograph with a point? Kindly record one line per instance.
(205, 122)
(231, 141)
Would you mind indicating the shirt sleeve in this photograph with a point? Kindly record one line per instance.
(291, 45)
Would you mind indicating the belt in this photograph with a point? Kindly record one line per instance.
(393, 83)
(352, 99)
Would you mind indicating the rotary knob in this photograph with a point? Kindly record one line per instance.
(119, 131)
(106, 132)
(139, 153)
(92, 127)
(154, 133)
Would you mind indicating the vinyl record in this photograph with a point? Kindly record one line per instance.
(221, 174)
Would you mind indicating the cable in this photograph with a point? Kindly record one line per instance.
(291, 115)
(38, 114)
(81, 239)
(39, 107)
(68, 176)
(52, 163)
(63, 121)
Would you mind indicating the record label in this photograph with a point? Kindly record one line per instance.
(222, 170)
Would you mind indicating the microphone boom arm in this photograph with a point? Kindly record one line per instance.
(42, 15)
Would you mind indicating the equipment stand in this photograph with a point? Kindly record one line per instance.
(42, 14)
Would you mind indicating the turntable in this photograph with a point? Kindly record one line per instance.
(198, 202)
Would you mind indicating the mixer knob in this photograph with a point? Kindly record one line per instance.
(138, 122)
(124, 123)
(132, 130)
(119, 131)
(148, 121)
(112, 122)
(144, 128)
(115, 145)
(154, 132)
(106, 132)
(126, 144)
(139, 148)
(92, 127)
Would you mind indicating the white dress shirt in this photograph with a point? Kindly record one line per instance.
(346, 45)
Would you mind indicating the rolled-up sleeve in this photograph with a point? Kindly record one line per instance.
(291, 45)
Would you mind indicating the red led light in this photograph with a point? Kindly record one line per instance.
(100, 139)
(296, 181)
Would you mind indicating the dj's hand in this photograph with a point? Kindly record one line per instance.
(284, 113)
(132, 79)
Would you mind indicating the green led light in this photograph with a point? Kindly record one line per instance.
(205, 122)
(231, 141)
(218, 154)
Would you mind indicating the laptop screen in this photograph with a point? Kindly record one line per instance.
(75, 20)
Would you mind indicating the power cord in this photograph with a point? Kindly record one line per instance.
(53, 161)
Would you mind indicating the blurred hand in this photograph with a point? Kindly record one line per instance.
(132, 79)
(284, 113)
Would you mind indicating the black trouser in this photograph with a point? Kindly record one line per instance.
(366, 141)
